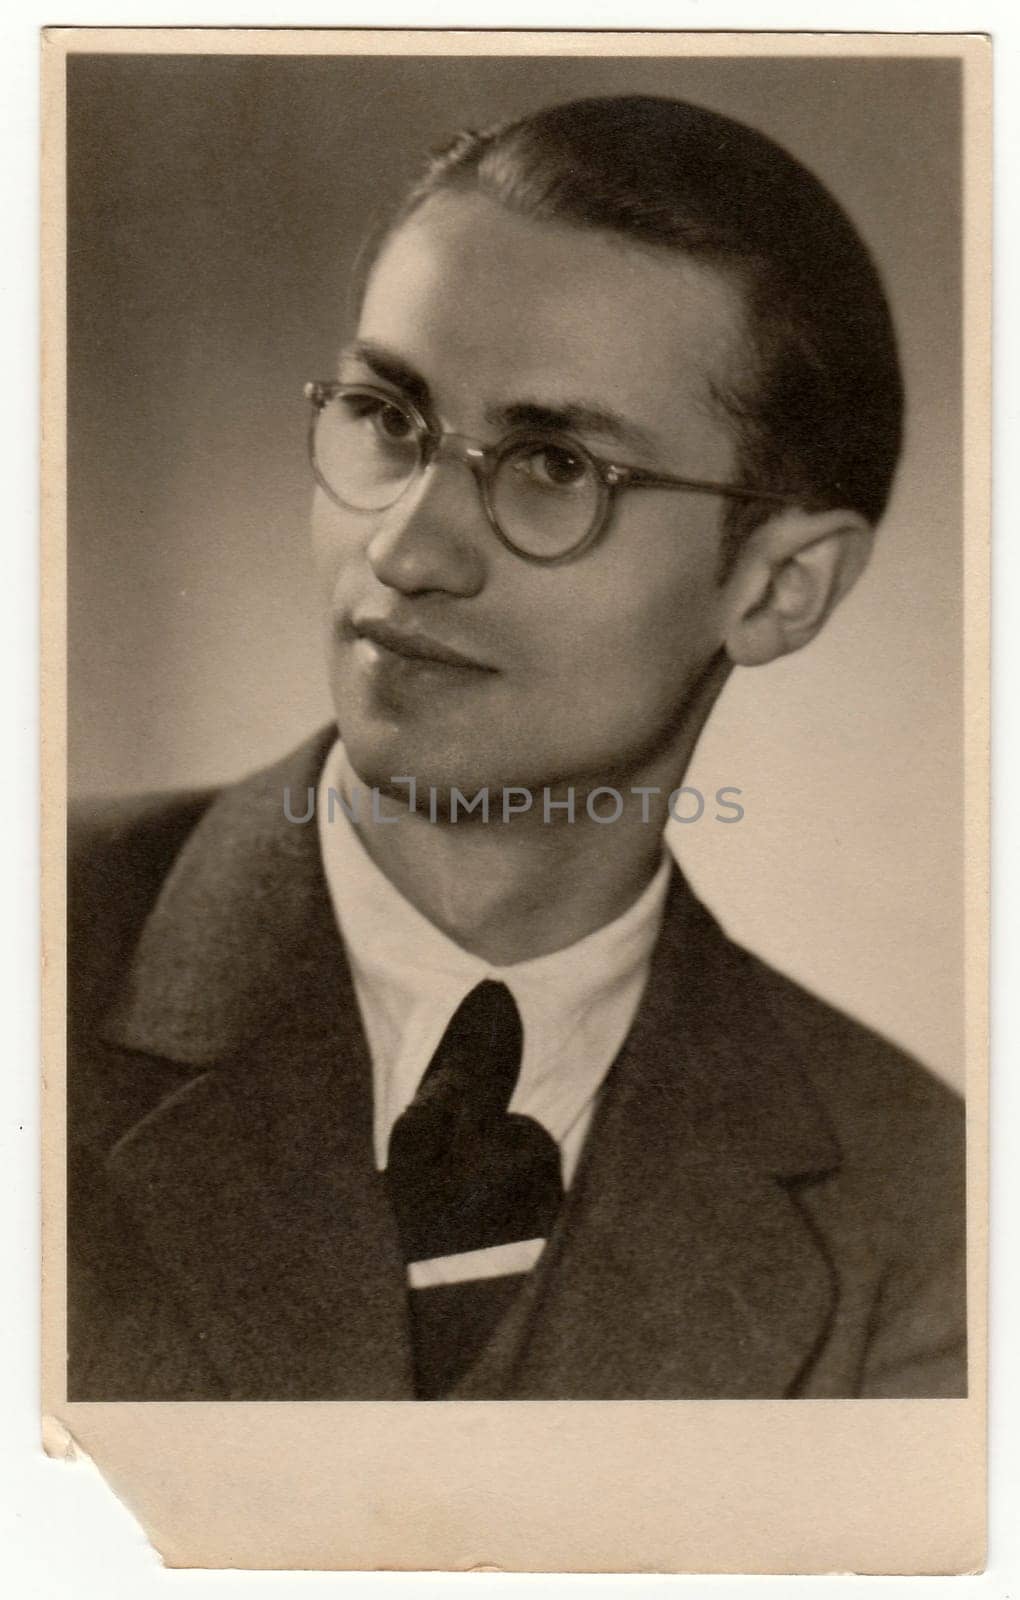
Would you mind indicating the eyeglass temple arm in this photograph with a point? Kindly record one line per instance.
(638, 478)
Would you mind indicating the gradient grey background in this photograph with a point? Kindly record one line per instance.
(215, 207)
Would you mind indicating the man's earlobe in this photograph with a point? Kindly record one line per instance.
(792, 573)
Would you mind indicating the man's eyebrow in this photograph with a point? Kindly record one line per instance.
(571, 416)
(391, 368)
(568, 416)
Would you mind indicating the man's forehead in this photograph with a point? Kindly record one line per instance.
(468, 250)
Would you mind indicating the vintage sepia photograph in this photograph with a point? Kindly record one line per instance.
(518, 854)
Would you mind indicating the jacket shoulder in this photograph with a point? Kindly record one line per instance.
(132, 826)
(898, 1203)
(901, 1133)
(873, 1088)
(119, 851)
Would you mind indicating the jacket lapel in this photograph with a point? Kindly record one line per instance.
(255, 1184)
(682, 1266)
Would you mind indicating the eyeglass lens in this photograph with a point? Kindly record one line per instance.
(366, 449)
(545, 497)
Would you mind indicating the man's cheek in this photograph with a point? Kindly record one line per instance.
(325, 560)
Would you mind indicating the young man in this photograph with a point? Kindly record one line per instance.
(463, 1094)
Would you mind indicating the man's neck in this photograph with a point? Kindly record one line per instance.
(509, 894)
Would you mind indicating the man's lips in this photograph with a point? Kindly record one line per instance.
(414, 644)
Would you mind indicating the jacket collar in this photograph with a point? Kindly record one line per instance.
(676, 1208)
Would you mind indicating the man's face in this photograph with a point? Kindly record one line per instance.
(582, 673)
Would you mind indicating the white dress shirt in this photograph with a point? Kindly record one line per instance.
(576, 1004)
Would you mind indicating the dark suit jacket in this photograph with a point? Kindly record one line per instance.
(770, 1202)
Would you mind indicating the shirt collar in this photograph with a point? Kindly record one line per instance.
(408, 971)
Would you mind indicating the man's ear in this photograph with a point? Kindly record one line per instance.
(792, 573)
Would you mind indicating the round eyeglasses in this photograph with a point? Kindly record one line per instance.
(546, 497)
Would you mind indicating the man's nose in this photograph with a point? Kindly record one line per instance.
(436, 536)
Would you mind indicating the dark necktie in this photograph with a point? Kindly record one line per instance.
(465, 1174)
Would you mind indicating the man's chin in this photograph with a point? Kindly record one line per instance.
(445, 782)
(388, 762)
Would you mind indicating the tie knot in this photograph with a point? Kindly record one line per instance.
(478, 1059)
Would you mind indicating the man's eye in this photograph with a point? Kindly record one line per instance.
(389, 421)
(393, 423)
(555, 467)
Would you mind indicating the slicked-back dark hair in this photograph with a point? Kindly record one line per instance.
(818, 409)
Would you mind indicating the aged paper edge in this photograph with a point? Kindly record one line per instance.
(729, 1486)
